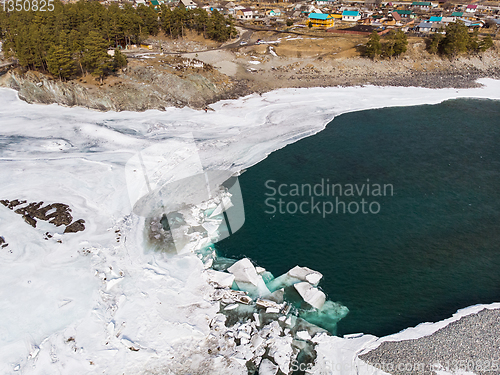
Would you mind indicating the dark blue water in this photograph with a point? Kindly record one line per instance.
(433, 248)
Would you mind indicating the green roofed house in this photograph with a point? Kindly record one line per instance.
(405, 13)
(457, 14)
(423, 5)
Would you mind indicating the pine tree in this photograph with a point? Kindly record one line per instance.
(60, 63)
(149, 20)
(400, 43)
(486, 43)
(473, 44)
(373, 46)
(166, 19)
(119, 59)
(95, 55)
(434, 44)
(457, 39)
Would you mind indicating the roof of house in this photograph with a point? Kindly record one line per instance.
(403, 11)
(396, 16)
(435, 19)
(425, 25)
(457, 14)
(154, 2)
(319, 16)
(422, 3)
(472, 6)
(352, 13)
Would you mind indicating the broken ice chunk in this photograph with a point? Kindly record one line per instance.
(223, 206)
(295, 275)
(303, 335)
(277, 296)
(272, 310)
(264, 303)
(313, 296)
(243, 270)
(222, 279)
(327, 317)
(247, 279)
(211, 227)
(260, 270)
(267, 367)
(305, 274)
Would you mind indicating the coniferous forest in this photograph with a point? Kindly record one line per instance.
(73, 39)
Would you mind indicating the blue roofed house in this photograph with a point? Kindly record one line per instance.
(351, 15)
(321, 20)
(274, 12)
(435, 19)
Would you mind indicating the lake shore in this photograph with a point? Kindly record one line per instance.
(236, 135)
(199, 79)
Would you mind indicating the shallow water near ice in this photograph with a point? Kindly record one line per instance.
(432, 248)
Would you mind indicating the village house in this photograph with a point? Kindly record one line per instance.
(244, 14)
(422, 5)
(429, 27)
(351, 15)
(188, 4)
(435, 19)
(456, 15)
(321, 20)
(405, 13)
(447, 20)
(274, 13)
(325, 2)
(471, 8)
(229, 8)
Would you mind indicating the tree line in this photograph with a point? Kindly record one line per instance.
(214, 26)
(458, 40)
(74, 38)
(395, 43)
(453, 40)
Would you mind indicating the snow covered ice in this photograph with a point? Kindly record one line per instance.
(100, 301)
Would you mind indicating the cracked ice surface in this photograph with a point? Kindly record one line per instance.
(84, 303)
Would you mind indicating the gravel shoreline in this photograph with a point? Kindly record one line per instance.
(471, 344)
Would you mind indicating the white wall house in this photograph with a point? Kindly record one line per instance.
(351, 15)
(244, 14)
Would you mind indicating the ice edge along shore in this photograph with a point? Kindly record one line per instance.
(237, 135)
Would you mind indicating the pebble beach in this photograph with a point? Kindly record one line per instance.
(468, 345)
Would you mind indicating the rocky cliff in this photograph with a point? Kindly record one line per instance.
(139, 88)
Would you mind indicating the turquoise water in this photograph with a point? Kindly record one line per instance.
(433, 248)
